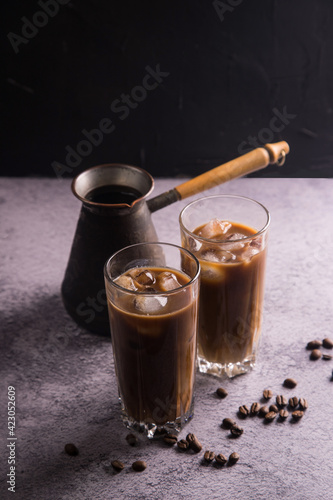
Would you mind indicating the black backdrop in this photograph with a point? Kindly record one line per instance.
(173, 87)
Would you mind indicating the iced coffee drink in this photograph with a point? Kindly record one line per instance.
(232, 256)
(153, 320)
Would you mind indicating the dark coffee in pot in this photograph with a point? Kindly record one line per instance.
(113, 195)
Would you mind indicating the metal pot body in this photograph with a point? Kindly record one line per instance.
(103, 229)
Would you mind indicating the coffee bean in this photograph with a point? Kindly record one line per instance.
(327, 357)
(236, 430)
(221, 459)
(222, 393)
(170, 439)
(270, 416)
(293, 402)
(328, 343)
(281, 401)
(267, 394)
(297, 415)
(274, 408)
(117, 465)
(182, 444)
(315, 354)
(209, 456)
(71, 449)
(314, 344)
(193, 442)
(139, 465)
(254, 410)
(283, 414)
(290, 383)
(233, 458)
(303, 404)
(243, 411)
(131, 439)
(263, 411)
(227, 423)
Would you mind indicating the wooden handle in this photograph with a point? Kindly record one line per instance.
(250, 162)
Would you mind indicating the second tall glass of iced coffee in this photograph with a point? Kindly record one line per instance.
(228, 234)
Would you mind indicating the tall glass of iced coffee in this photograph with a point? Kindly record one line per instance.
(228, 234)
(152, 294)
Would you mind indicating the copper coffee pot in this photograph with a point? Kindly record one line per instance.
(105, 227)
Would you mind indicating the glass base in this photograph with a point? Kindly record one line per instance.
(153, 430)
(226, 370)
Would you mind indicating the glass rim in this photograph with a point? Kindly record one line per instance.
(235, 196)
(152, 294)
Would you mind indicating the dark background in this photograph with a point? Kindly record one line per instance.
(231, 67)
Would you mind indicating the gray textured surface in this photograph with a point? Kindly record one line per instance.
(64, 376)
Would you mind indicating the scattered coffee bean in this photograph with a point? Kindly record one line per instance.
(71, 449)
(254, 410)
(117, 465)
(183, 444)
(281, 401)
(233, 458)
(290, 383)
(222, 393)
(328, 343)
(170, 439)
(327, 357)
(193, 442)
(315, 354)
(267, 394)
(263, 411)
(297, 415)
(270, 416)
(236, 430)
(314, 344)
(243, 411)
(274, 408)
(131, 439)
(283, 414)
(139, 465)
(303, 404)
(209, 456)
(221, 459)
(227, 423)
(293, 402)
